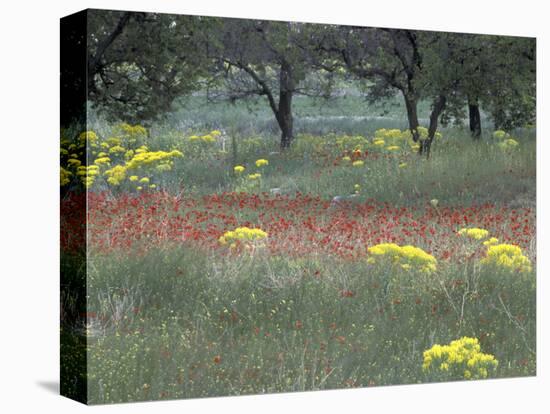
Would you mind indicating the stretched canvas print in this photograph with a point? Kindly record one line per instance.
(252, 206)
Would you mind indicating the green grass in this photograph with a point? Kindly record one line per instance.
(281, 324)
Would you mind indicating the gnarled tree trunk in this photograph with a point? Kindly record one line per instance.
(437, 108)
(284, 110)
(411, 103)
(475, 118)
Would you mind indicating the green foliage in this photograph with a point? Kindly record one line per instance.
(140, 62)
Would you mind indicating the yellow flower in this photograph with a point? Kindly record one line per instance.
(132, 130)
(358, 163)
(474, 233)
(117, 149)
(460, 357)
(346, 158)
(243, 234)
(102, 161)
(255, 176)
(509, 143)
(133, 178)
(144, 158)
(403, 165)
(116, 175)
(407, 257)
(261, 162)
(144, 180)
(87, 136)
(208, 138)
(507, 256)
(393, 148)
(491, 241)
(238, 169)
(113, 141)
(65, 176)
(499, 134)
(74, 162)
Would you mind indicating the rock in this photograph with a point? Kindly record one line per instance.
(339, 200)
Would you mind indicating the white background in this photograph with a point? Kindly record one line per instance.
(29, 177)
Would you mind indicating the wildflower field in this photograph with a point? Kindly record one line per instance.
(218, 265)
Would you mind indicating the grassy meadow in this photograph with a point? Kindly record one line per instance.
(218, 265)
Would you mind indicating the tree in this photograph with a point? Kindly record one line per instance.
(511, 98)
(261, 58)
(139, 63)
(497, 72)
(389, 60)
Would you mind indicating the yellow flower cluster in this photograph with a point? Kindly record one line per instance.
(242, 234)
(87, 137)
(133, 131)
(500, 134)
(395, 139)
(261, 162)
(474, 233)
(238, 169)
(102, 161)
(117, 149)
(506, 141)
(390, 134)
(146, 158)
(255, 176)
(407, 257)
(116, 175)
(507, 256)
(508, 144)
(114, 157)
(207, 139)
(490, 241)
(87, 174)
(462, 357)
(65, 176)
(358, 163)
(161, 160)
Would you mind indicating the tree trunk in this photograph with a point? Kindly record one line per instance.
(475, 118)
(284, 112)
(437, 108)
(412, 114)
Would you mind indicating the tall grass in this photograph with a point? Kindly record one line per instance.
(181, 323)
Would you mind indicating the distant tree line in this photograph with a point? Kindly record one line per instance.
(139, 63)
